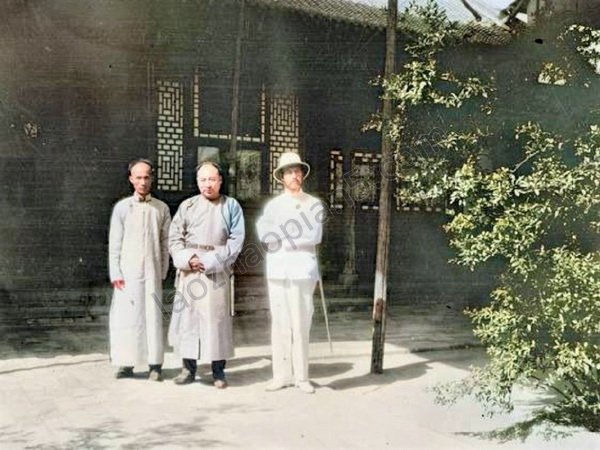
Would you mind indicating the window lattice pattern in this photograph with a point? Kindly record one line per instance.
(336, 179)
(283, 130)
(170, 135)
(276, 187)
(196, 103)
(263, 114)
(366, 171)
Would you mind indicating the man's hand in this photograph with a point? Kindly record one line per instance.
(196, 265)
(119, 284)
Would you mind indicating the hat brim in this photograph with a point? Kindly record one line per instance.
(278, 171)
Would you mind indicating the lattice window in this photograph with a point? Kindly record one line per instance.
(336, 179)
(283, 130)
(263, 114)
(365, 179)
(170, 135)
(276, 187)
(196, 103)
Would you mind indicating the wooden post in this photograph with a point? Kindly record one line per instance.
(385, 201)
(349, 276)
(235, 118)
(235, 102)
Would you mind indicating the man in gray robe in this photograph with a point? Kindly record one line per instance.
(138, 263)
(205, 239)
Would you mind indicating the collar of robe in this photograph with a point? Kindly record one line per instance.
(142, 199)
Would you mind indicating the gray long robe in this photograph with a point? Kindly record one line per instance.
(201, 323)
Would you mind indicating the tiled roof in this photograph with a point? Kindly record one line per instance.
(375, 17)
(339, 10)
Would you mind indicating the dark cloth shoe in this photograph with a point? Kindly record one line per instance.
(185, 377)
(124, 372)
(155, 375)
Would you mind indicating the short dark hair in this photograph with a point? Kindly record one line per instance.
(140, 160)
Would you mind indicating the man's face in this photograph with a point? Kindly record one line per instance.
(293, 178)
(209, 182)
(141, 178)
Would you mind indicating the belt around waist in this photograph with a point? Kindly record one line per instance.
(200, 247)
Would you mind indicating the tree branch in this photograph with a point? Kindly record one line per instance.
(513, 10)
(518, 166)
(472, 10)
(561, 393)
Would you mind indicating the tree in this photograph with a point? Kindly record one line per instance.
(539, 217)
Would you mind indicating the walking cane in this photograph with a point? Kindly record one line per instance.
(325, 312)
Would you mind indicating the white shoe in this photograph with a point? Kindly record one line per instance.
(276, 385)
(306, 387)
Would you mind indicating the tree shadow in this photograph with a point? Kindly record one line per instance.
(47, 366)
(88, 437)
(8, 436)
(458, 358)
(539, 423)
(544, 420)
(405, 372)
(111, 434)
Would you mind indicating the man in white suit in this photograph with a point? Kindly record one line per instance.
(291, 227)
(138, 263)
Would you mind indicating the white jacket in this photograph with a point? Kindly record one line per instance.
(292, 226)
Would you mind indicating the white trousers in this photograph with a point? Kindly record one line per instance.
(291, 306)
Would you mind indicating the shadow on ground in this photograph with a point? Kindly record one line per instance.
(112, 433)
(388, 376)
(455, 358)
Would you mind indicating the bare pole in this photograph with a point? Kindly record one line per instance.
(385, 202)
(235, 118)
(235, 101)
